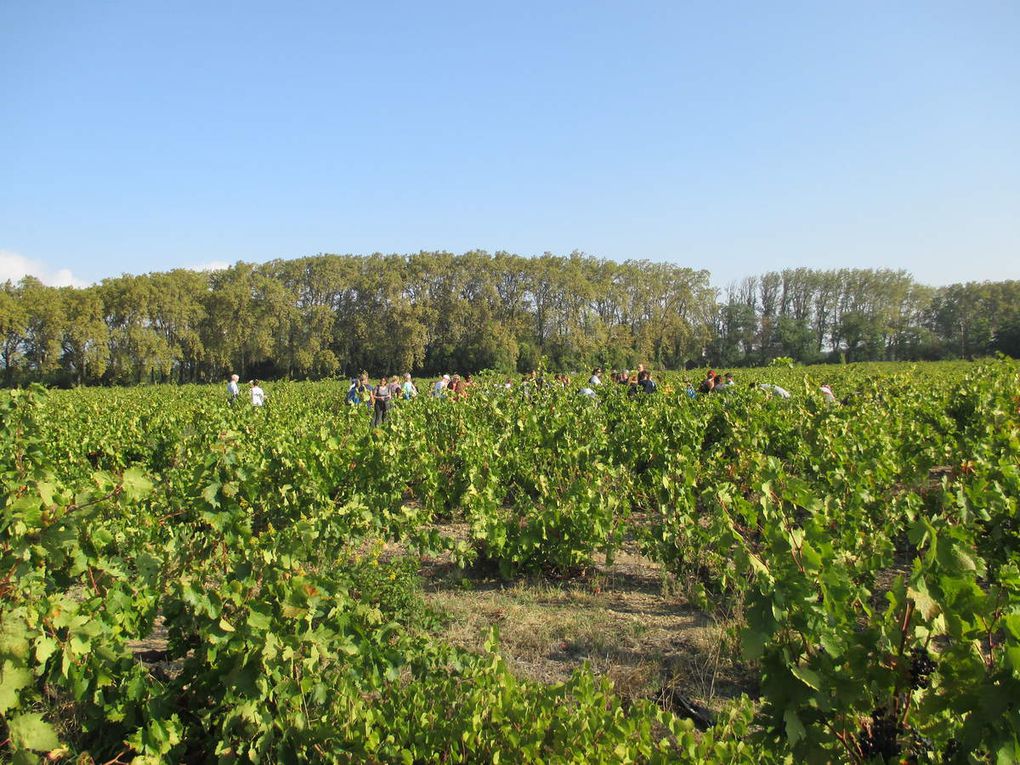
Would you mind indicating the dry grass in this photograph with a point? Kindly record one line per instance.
(614, 618)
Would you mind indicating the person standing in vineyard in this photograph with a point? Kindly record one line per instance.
(233, 391)
(407, 389)
(363, 391)
(352, 393)
(645, 382)
(395, 388)
(708, 384)
(258, 396)
(381, 396)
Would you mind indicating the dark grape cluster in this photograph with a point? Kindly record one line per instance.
(952, 750)
(921, 667)
(918, 746)
(879, 738)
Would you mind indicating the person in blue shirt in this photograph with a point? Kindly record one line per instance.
(362, 392)
(353, 398)
(408, 389)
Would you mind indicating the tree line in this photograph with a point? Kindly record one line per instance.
(434, 311)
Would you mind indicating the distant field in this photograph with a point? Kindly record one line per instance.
(524, 574)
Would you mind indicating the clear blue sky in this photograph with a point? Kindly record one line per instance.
(738, 137)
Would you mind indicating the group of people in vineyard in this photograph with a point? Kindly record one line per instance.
(637, 382)
(452, 387)
(258, 396)
(381, 397)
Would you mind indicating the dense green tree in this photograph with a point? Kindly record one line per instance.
(176, 311)
(138, 351)
(433, 312)
(86, 341)
(966, 318)
(44, 325)
(13, 325)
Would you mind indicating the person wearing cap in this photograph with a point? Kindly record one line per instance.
(233, 391)
(439, 388)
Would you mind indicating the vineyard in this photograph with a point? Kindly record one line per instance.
(186, 581)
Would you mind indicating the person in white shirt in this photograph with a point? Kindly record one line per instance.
(440, 387)
(775, 389)
(232, 389)
(258, 396)
(595, 381)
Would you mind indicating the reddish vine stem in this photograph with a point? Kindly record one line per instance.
(92, 578)
(848, 742)
(164, 518)
(908, 613)
(72, 507)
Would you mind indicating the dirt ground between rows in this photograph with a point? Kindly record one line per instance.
(619, 619)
